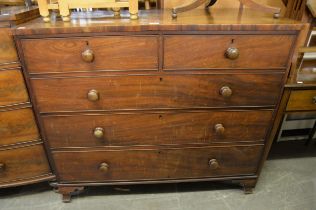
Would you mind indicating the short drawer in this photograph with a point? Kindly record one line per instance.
(17, 126)
(7, 48)
(91, 54)
(156, 164)
(23, 163)
(156, 129)
(211, 51)
(304, 100)
(147, 92)
(12, 88)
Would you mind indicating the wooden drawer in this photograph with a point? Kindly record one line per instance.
(17, 126)
(304, 100)
(23, 163)
(147, 92)
(208, 51)
(109, 53)
(155, 129)
(12, 88)
(7, 48)
(153, 164)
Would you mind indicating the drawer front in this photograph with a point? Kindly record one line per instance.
(302, 100)
(12, 88)
(155, 129)
(17, 126)
(7, 48)
(151, 164)
(23, 163)
(147, 92)
(209, 51)
(103, 53)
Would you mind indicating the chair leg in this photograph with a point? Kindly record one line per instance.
(311, 135)
(264, 8)
(147, 4)
(188, 7)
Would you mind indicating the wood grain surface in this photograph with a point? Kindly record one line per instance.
(302, 100)
(7, 47)
(228, 19)
(156, 129)
(149, 92)
(208, 51)
(12, 88)
(110, 53)
(23, 163)
(156, 164)
(17, 126)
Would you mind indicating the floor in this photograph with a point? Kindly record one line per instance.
(285, 184)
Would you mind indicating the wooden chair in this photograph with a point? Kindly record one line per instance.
(64, 7)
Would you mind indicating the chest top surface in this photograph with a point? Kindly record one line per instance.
(160, 20)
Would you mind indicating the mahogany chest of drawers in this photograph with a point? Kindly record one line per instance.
(157, 100)
(22, 155)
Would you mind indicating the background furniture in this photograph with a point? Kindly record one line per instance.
(222, 4)
(64, 6)
(295, 9)
(22, 155)
(254, 5)
(117, 104)
(295, 131)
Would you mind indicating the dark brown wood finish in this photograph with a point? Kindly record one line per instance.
(107, 53)
(12, 88)
(153, 126)
(15, 15)
(17, 126)
(149, 164)
(165, 91)
(268, 51)
(23, 163)
(160, 128)
(198, 20)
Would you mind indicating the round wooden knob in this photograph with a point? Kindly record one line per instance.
(219, 129)
(213, 164)
(87, 56)
(2, 167)
(98, 132)
(93, 95)
(232, 53)
(226, 91)
(104, 167)
(314, 100)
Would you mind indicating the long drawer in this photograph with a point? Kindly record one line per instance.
(153, 164)
(226, 51)
(302, 100)
(91, 54)
(12, 88)
(23, 163)
(156, 129)
(17, 126)
(148, 92)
